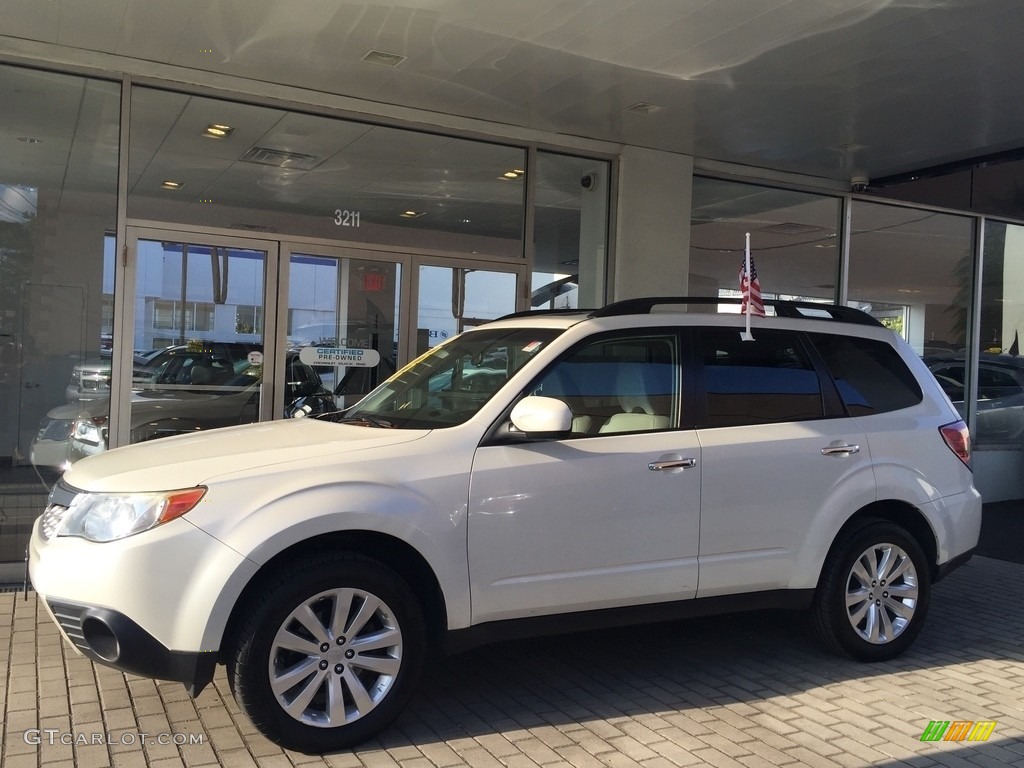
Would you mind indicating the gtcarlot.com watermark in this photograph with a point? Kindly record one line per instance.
(54, 736)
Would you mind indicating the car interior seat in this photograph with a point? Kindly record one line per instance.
(636, 384)
(200, 374)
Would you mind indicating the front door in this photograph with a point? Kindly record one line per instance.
(608, 516)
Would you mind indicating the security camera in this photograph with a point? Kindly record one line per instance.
(588, 181)
(859, 183)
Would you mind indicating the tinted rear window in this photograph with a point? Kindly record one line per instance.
(766, 380)
(870, 375)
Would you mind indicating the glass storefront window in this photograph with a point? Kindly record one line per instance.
(793, 240)
(913, 270)
(999, 420)
(570, 232)
(58, 185)
(282, 172)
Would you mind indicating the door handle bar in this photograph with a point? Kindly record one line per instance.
(659, 466)
(840, 450)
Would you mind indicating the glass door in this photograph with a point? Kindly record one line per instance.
(342, 321)
(454, 298)
(197, 326)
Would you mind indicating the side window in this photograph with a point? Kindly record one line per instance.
(763, 381)
(870, 375)
(618, 384)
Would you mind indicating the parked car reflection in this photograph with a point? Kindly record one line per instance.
(1000, 416)
(90, 380)
(190, 390)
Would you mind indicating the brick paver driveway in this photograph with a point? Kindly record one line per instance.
(749, 690)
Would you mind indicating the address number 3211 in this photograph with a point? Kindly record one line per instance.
(346, 218)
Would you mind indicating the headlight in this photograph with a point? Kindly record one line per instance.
(90, 431)
(108, 516)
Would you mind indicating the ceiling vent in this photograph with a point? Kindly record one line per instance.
(383, 57)
(791, 228)
(280, 158)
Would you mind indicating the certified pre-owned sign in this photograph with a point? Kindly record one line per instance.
(359, 358)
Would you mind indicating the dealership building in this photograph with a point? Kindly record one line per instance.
(278, 176)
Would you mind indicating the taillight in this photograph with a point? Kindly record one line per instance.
(959, 440)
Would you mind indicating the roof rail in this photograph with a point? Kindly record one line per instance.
(545, 312)
(804, 309)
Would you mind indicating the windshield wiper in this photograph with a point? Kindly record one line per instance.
(366, 421)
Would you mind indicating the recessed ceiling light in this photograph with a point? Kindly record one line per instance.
(383, 57)
(170, 184)
(217, 131)
(412, 214)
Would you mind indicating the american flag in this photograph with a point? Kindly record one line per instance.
(751, 290)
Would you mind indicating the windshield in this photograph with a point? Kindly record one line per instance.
(451, 382)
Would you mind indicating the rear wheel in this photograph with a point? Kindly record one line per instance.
(329, 653)
(873, 594)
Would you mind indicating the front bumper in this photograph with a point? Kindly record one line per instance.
(155, 603)
(113, 639)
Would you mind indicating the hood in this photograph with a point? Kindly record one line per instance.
(84, 410)
(188, 460)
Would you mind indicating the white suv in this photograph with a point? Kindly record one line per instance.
(544, 473)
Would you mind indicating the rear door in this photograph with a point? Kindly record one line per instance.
(780, 459)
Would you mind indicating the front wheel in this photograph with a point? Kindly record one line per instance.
(328, 654)
(873, 593)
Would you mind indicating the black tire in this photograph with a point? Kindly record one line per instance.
(347, 670)
(887, 608)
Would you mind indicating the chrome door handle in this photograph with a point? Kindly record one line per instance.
(659, 466)
(840, 450)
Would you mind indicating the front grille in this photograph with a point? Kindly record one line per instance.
(61, 498)
(53, 517)
(69, 619)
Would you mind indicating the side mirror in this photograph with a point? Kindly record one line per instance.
(299, 408)
(542, 416)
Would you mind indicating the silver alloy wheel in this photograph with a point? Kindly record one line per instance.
(881, 593)
(335, 657)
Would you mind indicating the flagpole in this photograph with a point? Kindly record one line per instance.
(747, 336)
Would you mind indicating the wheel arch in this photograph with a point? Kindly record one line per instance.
(392, 552)
(900, 513)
